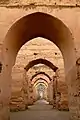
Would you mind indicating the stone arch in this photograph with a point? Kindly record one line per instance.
(41, 83)
(38, 24)
(61, 37)
(41, 79)
(40, 73)
(42, 61)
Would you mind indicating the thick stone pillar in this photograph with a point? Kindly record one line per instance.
(28, 90)
(73, 92)
(25, 89)
(54, 91)
(34, 93)
(30, 99)
(17, 101)
(60, 99)
(45, 94)
(5, 92)
(50, 93)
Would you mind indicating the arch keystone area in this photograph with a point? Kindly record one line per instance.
(39, 73)
(42, 61)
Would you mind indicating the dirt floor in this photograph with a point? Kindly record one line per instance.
(41, 110)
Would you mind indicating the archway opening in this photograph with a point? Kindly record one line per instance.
(40, 79)
(40, 73)
(41, 90)
(38, 25)
(42, 61)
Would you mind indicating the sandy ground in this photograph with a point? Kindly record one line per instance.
(41, 110)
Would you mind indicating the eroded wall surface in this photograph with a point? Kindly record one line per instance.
(68, 11)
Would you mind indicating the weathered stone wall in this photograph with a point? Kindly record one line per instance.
(62, 102)
(58, 94)
(67, 11)
(41, 2)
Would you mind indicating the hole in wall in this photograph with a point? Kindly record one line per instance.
(0, 67)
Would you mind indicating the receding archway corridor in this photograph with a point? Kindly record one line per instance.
(33, 83)
(41, 110)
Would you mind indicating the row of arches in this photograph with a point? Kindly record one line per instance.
(35, 81)
(38, 24)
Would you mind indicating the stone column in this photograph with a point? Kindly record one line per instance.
(54, 93)
(50, 93)
(25, 88)
(30, 102)
(73, 83)
(74, 103)
(34, 93)
(5, 91)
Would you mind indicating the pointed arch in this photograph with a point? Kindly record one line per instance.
(42, 61)
(40, 73)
